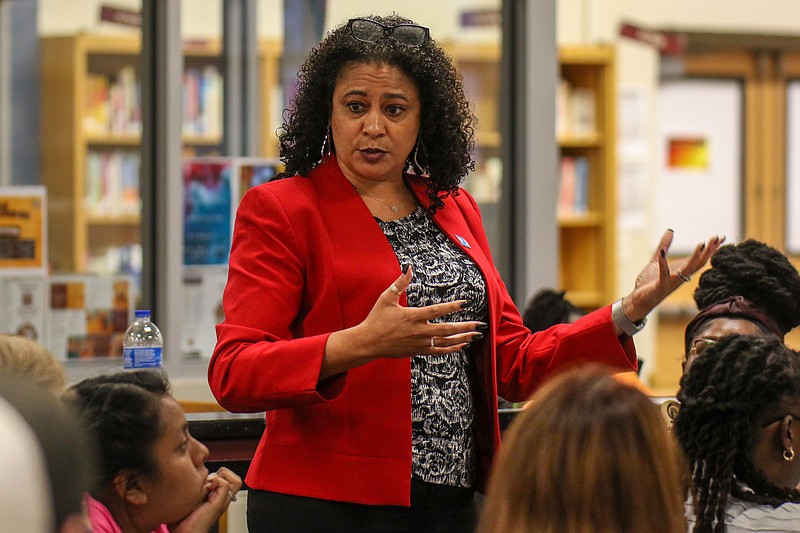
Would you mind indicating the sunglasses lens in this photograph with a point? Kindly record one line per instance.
(366, 30)
(408, 34)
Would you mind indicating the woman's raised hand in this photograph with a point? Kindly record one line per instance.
(659, 278)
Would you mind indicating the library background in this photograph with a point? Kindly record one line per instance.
(129, 130)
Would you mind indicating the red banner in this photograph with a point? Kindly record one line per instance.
(668, 43)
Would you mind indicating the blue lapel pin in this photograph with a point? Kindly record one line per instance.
(463, 241)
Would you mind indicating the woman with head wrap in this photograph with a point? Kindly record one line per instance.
(750, 289)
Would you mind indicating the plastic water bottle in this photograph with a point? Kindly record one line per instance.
(142, 343)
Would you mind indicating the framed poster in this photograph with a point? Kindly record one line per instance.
(213, 188)
(254, 172)
(208, 210)
(23, 230)
(87, 316)
(24, 306)
(699, 180)
(202, 301)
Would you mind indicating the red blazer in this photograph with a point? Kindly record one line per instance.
(308, 259)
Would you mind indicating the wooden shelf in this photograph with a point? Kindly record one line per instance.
(587, 242)
(113, 220)
(589, 220)
(68, 66)
(97, 139)
(585, 299)
(588, 141)
(587, 250)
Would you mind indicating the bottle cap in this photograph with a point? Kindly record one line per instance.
(141, 313)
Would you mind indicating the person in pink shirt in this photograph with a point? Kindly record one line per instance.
(152, 475)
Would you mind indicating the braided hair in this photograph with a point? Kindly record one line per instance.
(447, 124)
(732, 384)
(759, 273)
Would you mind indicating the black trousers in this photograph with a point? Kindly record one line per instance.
(434, 509)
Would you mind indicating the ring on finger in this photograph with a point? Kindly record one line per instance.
(394, 288)
(683, 276)
(432, 343)
(232, 495)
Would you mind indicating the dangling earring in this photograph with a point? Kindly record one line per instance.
(326, 144)
(417, 165)
(788, 455)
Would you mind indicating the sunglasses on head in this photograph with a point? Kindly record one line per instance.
(369, 31)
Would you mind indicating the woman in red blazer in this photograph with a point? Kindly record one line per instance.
(363, 311)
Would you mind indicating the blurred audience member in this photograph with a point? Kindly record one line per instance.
(739, 425)
(46, 461)
(589, 455)
(25, 357)
(547, 308)
(153, 476)
(750, 289)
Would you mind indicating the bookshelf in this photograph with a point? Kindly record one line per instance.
(479, 66)
(586, 135)
(91, 134)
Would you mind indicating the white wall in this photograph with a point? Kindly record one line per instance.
(202, 18)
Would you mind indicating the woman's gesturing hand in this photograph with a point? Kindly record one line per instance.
(660, 278)
(392, 330)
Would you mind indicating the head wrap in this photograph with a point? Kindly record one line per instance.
(733, 307)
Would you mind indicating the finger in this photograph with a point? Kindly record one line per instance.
(664, 273)
(460, 339)
(234, 481)
(443, 345)
(450, 329)
(694, 262)
(702, 254)
(432, 312)
(664, 244)
(399, 285)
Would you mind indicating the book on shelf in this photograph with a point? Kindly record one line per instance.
(112, 183)
(575, 110)
(112, 104)
(202, 102)
(573, 194)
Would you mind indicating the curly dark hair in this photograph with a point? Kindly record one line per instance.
(123, 412)
(547, 308)
(733, 385)
(447, 124)
(759, 273)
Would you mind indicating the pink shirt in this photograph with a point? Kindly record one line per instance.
(102, 521)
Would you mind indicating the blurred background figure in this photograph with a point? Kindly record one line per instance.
(589, 454)
(739, 426)
(25, 357)
(46, 461)
(549, 307)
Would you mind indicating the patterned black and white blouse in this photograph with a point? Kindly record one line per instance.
(442, 409)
